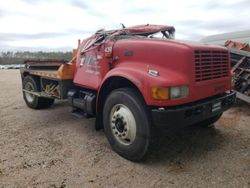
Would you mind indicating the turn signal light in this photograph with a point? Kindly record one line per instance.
(160, 93)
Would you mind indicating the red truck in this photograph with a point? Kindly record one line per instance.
(134, 80)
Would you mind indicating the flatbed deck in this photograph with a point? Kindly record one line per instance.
(54, 69)
(54, 74)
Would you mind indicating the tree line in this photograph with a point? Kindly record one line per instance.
(10, 57)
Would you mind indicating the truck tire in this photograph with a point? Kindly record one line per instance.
(126, 124)
(209, 122)
(32, 84)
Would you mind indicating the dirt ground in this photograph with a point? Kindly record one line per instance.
(52, 148)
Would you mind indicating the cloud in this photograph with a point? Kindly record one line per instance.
(79, 4)
(58, 24)
(18, 36)
(86, 7)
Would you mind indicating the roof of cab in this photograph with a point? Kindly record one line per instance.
(141, 29)
(138, 30)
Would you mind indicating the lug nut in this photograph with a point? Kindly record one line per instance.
(116, 132)
(113, 127)
(120, 135)
(125, 129)
(123, 134)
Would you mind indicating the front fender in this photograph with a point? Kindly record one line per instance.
(137, 73)
(136, 76)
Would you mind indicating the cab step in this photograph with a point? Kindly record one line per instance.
(77, 113)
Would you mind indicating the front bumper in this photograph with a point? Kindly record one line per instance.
(195, 112)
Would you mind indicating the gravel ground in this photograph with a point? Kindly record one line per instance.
(52, 148)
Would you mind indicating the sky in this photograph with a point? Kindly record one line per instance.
(55, 25)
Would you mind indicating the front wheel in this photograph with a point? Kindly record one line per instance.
(126, 124)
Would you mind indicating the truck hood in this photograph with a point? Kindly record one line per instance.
(178, 63)
(193, 44)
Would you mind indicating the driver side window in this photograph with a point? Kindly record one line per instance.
(82, 59)
(88, 60)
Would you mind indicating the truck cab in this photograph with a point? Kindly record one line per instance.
(133, 80)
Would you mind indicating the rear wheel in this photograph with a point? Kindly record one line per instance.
(33, 101)
(126, 124)
(209, 122)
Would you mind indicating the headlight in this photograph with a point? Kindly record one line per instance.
(165, 93)
(179, 92)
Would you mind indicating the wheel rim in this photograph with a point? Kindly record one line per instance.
(30, 97)
(123, 124)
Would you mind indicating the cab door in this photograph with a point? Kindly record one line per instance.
(88, 70)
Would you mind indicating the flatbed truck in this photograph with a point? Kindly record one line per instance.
(133, 80)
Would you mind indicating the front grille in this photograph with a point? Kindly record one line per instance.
(210, 65)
